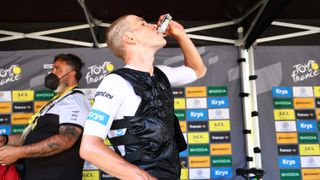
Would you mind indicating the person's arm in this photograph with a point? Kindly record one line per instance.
(95, 151)
(67, 136)
(192, 57)
(13, 140)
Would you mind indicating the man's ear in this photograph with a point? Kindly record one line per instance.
(129, 38)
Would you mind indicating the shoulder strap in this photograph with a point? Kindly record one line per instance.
(76, 91)
(162, 77)
(138, 80)
(73, 91)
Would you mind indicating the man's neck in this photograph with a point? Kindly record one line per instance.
(141, 62)
(66, 89)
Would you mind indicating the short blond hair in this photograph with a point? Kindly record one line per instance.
(114, 36)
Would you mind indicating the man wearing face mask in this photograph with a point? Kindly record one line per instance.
(49, 145)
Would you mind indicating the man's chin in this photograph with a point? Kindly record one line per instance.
(163, 43)
(58, 90)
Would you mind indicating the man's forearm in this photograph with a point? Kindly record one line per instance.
(15, 140)
(95, 151)
(67, 136)
(191, 55)
(103, 157)
(48, 147)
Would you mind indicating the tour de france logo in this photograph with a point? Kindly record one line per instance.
(97, 72)
(10, 74)
(305, 71)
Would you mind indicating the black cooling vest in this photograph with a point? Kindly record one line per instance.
(153, 133)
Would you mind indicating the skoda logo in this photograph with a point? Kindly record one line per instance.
(285, 125)
(197, 102)
(199, 172)
(218, 113)
(311, 161)
(302, 90)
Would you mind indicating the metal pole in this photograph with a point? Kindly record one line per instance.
(254, 113)
(250, 112)
(246, 105)
(90, 22)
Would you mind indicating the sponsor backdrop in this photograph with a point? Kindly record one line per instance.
(209, 110)
(288, 89)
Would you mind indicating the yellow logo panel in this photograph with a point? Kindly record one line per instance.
(198, 138)
(318, 114)
(90, 175)
(184, 174)
(310, 174)
(284, 114)
(21, 118)
(303, 103)
(200, 91)
(220, 149)
(287, 138)
(309, 149)
(38, 105)
(179, 103)
(222, 125)
(316, 90)
(24, 95)
(183, 126)
(199, 161)
(5, 107)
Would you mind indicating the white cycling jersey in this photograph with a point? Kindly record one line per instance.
(115, 98)
(70, 109)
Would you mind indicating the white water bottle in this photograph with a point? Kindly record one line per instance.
(164, 23)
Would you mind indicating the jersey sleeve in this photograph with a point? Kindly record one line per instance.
(180, 75)
(74, 109)
(108, 98)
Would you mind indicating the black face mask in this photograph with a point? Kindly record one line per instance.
(52, 81)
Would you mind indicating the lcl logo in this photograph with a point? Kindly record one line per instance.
(308, 148)
(283, 113)
(87, 175)
(22, 94)
(220, 124)
(198, 136)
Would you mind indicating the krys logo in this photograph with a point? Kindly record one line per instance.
(10, 74)
(302, 72)
(97, 72)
